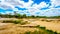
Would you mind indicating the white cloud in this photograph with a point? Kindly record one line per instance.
(55, 3)
(28, 4)
(13, 3)
(50, 12)
(10, 4)
(6, 5)
(41, 5)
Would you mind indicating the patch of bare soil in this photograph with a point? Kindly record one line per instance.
(51, 24)
(7, 28)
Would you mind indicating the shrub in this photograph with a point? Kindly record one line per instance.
(12, 21)
(43, 27)
(38, 26)
(24, 22)
(28, 32)
(16, 21)
(36, 32)
(55, 32)
(7, 21)
(51, 32)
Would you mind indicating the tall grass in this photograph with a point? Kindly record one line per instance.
(16, 22)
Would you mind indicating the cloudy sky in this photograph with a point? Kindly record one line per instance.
(31, 7)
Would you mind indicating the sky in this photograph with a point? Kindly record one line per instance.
(31, 7)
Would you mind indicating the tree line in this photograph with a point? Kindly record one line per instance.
(17, 15)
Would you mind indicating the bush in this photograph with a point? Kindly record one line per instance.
(55, 32)
(15, 22)
(42, 32)
(43, 27)
(11, 21)
(36, 32)
(38, 26)
(51, 32)
(7, 21)
(28, 32)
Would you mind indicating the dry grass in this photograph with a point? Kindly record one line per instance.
(14, 29)
(51, 24)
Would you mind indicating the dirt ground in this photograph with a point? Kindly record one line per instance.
(51, 24)
(10, 28)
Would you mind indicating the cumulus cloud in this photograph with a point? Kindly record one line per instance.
(33, 9)
(36, 7)
(6, 5)
(52, 12)
(55, 3)
(41, 5)
(13, 3)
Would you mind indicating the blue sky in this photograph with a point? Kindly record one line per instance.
(31, 7)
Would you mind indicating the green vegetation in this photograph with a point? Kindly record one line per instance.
(17, 15)
(11, 21)
(15, 22)
(42, 30)
(35, 32)
(28, 32)
(38, 26)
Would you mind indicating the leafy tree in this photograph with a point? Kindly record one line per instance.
(24, 16)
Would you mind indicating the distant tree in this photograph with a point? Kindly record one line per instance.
(18, 15)
(37, 16)
(15, 12)
(0, 15)
(24, 15)
(32, 16)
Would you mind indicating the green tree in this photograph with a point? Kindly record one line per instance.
(24, 15)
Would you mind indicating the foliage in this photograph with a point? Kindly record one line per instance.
(35, 32)
(16, 22)
(17, 15)
(45, 30)
(41, 32)
(38, 26)
(28, 32)
(11, 21)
